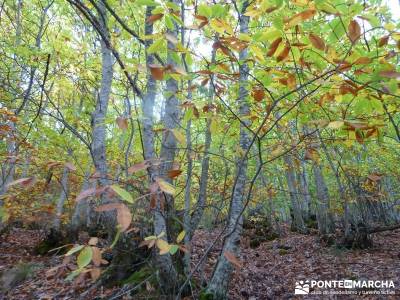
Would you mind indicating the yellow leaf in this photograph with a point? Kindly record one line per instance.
(180, 236)
(163, 246)
(165, 186)
(335, 124)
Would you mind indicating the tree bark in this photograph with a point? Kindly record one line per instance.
(220, 279)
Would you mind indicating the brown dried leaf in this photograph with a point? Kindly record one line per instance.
(316, 41)
(354, 31)
(122, 123)
(274, 45)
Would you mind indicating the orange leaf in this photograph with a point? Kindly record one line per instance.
(258, 94)
(316, 41)
(232, 259)
(122, 123)
(304, 15)
(157, 72)
(274, 45)
(354, 31)
(174, 173)
(362, 61)
(153, 18)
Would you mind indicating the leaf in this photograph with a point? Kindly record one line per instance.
(122, 123)
(389, 74)
(165, 186)
(157, 72)
(180, 236)
(138, 167)
(151, 19)
(335, 124)
(374, 177)
(74, 249)
(173, 249)
(95, 273)
(312, 154)
(316, 41)
(70, 166)
(174, 173)
(93, 241)
(124, 217)
(163, 246)
(304, 15)
(146, 2)
(232, 259)
(274, 45)
(125, 195)
(107, 207)
(354, 30)
(362, 61)
(23, 181)
(180, 137)
(258, 94)
(84, 257)
(383, 41)
(156, 46)
(96, 256)
(283, 54)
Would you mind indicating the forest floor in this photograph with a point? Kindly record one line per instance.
(268, 271)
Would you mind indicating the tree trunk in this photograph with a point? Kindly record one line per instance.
(61, 199)
(205, 165)
(164, 214)
(324, 216)
(220, 279)
(297, 220)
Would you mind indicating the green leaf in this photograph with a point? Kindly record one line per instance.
(204, 10)
(116, 238)
(74, 250)
(173, 249)
(168, 22)
(84, 257)
(157, 45)
(146, 2)
(73, 274)
(122, 193)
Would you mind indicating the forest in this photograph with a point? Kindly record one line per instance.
(199, 149)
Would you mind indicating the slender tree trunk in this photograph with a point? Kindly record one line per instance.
(220, 279)
(298, 221)
(205, 165)
(164, 214)
(324, 216)
(61, 199)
